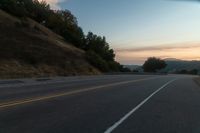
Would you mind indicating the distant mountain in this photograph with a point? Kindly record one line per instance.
(172, 59)
(177, 65)
(134, 67)
(173, 65)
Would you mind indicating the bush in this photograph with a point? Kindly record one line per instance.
(97, 61)
(152, 64)
(114, 66)
(192, 72)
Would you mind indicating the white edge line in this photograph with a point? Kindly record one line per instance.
(114, 126)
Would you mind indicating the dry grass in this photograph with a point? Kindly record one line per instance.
(28, 49)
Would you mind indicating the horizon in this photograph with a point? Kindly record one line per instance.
(167, 59)
(140, 29)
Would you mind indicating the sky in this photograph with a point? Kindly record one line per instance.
(138, 29)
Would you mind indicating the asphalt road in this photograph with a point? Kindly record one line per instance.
(101, 104)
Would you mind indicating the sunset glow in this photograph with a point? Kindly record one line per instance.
(138, 56)
(138, 29)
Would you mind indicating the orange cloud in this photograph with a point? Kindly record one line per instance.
(139, 55)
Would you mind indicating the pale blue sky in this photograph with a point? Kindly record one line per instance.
(130, 24)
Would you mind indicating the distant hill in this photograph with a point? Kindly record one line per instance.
(29, 49)
(172, 59)
(173, 65)
(134, 67)
(177, 65)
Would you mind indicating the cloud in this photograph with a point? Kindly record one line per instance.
(54, 3)
(161, 47)
(184, 51)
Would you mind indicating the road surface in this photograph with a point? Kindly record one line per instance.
(101, 104)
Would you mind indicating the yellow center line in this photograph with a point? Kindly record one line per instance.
(30, 100)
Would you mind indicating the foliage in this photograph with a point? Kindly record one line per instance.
(64, 23)
(100, 47)
(97, 61)
(152, 64)
(15, 7)
(192, 72)
(61, 22)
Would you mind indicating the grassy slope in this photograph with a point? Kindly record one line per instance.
(28, 49)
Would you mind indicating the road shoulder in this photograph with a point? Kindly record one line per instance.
(197, 81)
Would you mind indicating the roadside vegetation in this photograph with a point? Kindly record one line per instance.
(192, 72)
(65, 24)
(153, 64)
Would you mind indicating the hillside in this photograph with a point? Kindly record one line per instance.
(177, 65)
(28, 49)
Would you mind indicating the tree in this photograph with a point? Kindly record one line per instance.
(99, 45)
(97, 61)
(152, 64)
(104, 54)
(15, 7)
(39, 11)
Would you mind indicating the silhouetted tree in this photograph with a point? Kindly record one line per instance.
(97, 61)
(99, 45)
(152, 64)
(15, 7)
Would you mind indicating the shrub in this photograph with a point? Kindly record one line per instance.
(97, 61)
(152, 64)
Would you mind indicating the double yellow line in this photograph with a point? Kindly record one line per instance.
(42, 98)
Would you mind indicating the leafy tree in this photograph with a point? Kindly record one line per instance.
(97, 61)
(15, 7)
(39, 11)
(115, 66)
(65, 24)
(152, 64)
(99, 45)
